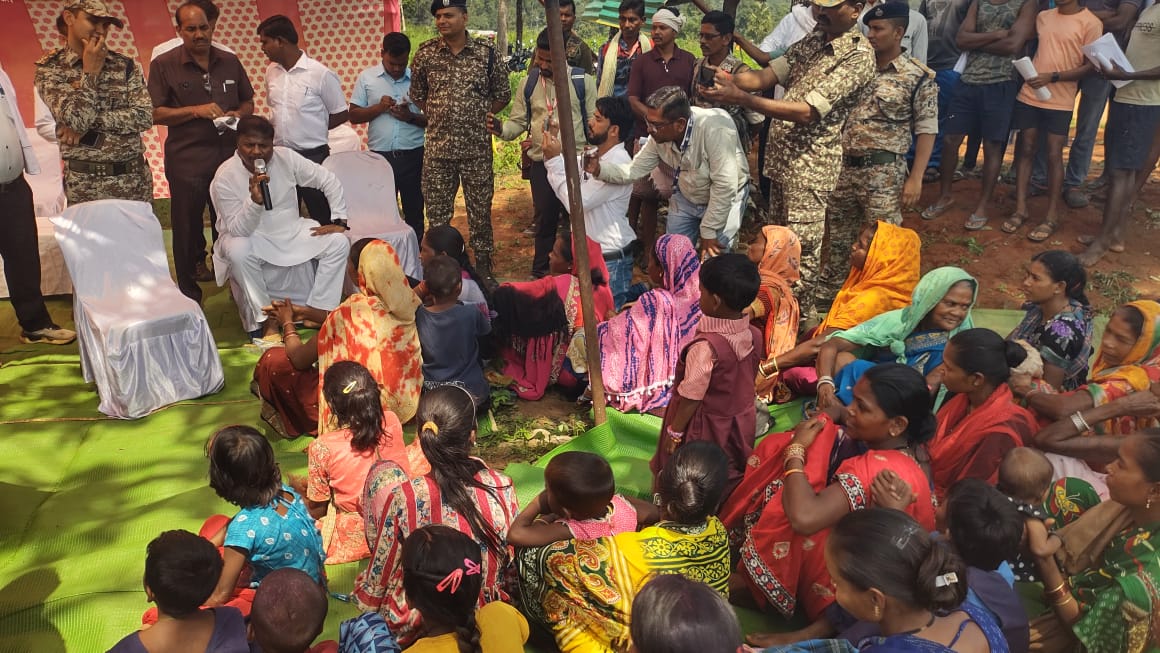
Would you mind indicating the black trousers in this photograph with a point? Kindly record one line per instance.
(189, 195)
(314, 199)
(18, 248)
(407, 166)
(549, 212)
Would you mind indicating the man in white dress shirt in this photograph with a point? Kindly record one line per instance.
(605, 204)
(18, 244)
(252, 237)
(306, 101)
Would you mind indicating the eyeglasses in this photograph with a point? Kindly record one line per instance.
(705, 37)
(656, 126)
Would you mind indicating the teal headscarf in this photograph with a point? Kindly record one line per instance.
(891, 329)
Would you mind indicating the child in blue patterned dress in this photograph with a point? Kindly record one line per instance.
(273, 529)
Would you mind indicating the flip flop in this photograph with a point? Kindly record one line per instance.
(975, 223)
(1013, 223)
(935, 210)
(1043, 231)
(931, 175)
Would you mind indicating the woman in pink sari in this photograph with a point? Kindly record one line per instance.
(640, 347)
(539, 324)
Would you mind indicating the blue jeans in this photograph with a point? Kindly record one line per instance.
(620, 278)
(1093, 99)
(947, 80)
(685, 219)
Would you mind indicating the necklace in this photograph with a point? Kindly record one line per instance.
(918, 630)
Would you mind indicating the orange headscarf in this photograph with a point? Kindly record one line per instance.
(779, 270)
(1146, 352)
(375, 327)
(884, 283)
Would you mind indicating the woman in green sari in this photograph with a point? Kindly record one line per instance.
(1112, 604)
(940, 307)
(582, 590)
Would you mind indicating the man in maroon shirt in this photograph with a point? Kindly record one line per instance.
(664, 65)
(192, 87)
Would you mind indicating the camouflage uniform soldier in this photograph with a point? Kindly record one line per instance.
(823, 75)
(101, 106)
(874, 184)
(456, 80)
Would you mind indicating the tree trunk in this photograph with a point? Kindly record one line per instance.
(501, 17)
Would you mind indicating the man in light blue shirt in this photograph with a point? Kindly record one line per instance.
(382, 97)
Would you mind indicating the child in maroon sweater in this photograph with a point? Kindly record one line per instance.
(713, 390)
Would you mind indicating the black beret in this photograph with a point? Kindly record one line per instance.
(436, 5)
(892, 9)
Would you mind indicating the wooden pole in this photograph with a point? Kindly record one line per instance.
(520, 23)
(561, 75)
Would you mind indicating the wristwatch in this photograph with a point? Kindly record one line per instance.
(340, 223)
(1054, 77)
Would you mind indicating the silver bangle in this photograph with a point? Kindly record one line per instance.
(1080, 423)
(826, 380)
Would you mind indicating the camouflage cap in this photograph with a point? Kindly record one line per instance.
(828, 3)
(96, 9)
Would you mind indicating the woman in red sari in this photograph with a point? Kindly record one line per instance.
(539, 324)
(374, 327)
(982, 422)
(797, 486)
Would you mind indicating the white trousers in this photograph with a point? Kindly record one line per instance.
(249, 272)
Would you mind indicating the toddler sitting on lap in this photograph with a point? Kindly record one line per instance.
(579, 502)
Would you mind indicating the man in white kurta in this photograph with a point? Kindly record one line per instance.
(253, 239)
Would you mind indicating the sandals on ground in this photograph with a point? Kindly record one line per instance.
(1043, 231)
(935, 210)
(975, 223)
(1013, 223)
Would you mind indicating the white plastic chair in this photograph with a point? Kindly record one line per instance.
(144, 343)
(368, 184)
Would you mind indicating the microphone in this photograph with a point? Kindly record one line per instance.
(260, 168)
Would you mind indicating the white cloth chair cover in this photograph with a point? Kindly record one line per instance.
(293, 283)
(48, 186)
(368, 184)
(344, 138)
(144, 343)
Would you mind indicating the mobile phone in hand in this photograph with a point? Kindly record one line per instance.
(92, 138)
(705, 76)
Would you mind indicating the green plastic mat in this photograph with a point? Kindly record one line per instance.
(627, 441)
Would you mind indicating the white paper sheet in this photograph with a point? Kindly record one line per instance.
(1105, 51)
(1027, 70)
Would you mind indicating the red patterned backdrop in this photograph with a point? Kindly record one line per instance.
(346, 35)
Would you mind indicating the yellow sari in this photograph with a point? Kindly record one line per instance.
(582, 590)
(884, 283)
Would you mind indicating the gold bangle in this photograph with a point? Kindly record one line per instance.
(795, 451)
(1056, 589)
(795, 470)
(1060, 604)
